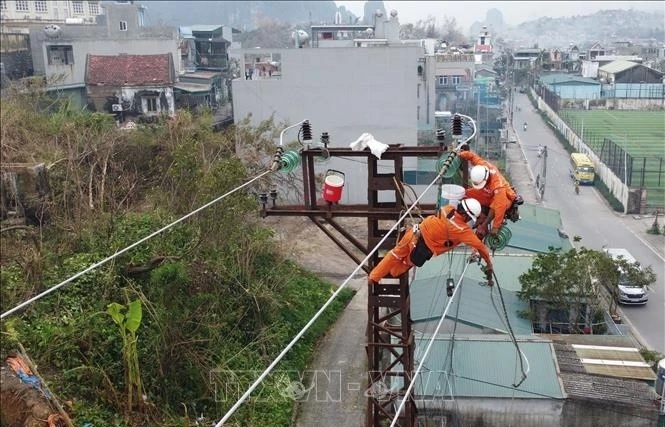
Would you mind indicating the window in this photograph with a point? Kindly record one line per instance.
(40, 6)
(456, 80)
(60, 55)
(3, 5)
(123, 25)
(151, 104)
(77, 7)
(93, 8)
(441, 80)
(22, 5)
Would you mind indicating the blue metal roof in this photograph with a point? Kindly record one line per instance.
(487, 366)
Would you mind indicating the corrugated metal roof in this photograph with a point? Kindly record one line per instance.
(540, 215)
(487, 366)
(205, 28)
(562, 79)
(507, 266)
(193, 87)
(534, 237)
(618, 66)
(477, 305)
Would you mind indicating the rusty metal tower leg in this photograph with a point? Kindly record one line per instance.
(390, 344)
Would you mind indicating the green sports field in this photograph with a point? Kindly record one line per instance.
(640, 133)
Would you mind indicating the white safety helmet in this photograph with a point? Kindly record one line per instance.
(479, 176)
(471, 207)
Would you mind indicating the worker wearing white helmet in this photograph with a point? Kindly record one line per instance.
(492, 190)
(435, 235)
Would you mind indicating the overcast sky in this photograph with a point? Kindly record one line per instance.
(514, 12)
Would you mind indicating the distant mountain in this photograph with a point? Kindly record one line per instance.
(604, 26)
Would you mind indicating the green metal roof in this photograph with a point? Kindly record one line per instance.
(540, 215)
(536, 238)
(618, 66)
(562, 79)
(479, 305)
(487, 366)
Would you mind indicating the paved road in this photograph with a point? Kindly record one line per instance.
(589, 216)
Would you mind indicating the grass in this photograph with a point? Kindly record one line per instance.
(640, 133)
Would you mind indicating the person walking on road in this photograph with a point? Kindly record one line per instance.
(435, 235)
(495, 194)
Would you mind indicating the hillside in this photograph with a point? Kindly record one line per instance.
(604, 26)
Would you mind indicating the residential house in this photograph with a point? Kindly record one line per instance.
(59, 52)
(526, 58)
(571, 60)
(554, 60)
(16, 18)
(485, 71)
(131, 85)
(590, 67)
(206, 81)
(595, 50)
(483, 50)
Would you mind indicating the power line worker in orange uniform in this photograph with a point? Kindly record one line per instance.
(435, 235)
(492, 190)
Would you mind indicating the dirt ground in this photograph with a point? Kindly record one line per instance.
(310, 247)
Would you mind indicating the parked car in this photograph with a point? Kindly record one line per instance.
(628, 293)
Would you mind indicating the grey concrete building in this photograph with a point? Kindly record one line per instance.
(59, 51)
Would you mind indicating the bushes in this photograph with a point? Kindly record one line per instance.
(219, 302)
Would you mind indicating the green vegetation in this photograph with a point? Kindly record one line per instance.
(573, 282)
(179, 326)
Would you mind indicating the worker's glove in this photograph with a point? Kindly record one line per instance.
(494, 231)
(489, 273)
(475, 257)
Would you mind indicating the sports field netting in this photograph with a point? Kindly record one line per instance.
(640, 133)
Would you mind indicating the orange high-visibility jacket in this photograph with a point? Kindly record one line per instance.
(497, 193)
(440, 233)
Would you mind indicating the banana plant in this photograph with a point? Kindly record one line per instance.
(128, 320)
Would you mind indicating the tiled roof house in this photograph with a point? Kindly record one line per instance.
(131, 84)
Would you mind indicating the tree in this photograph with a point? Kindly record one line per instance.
(451, 32)
(562, 283)
(576, 279)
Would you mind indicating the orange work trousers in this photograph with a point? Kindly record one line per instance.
(398, 260)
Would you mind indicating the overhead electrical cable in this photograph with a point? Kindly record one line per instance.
(429, 346)
(279, 357)
(133, 245)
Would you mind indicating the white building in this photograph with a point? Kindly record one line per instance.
(16, 16)
(355, 82)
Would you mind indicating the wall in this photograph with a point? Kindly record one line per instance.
(497, 412)
(571, 412)
(343, 91)
(99, 40)
(575, 91)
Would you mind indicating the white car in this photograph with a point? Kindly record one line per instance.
(628, 294)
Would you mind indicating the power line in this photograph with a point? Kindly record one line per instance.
(133, 245)
(279, 357)
(429, 346)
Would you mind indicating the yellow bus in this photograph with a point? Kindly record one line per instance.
(581, 168)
